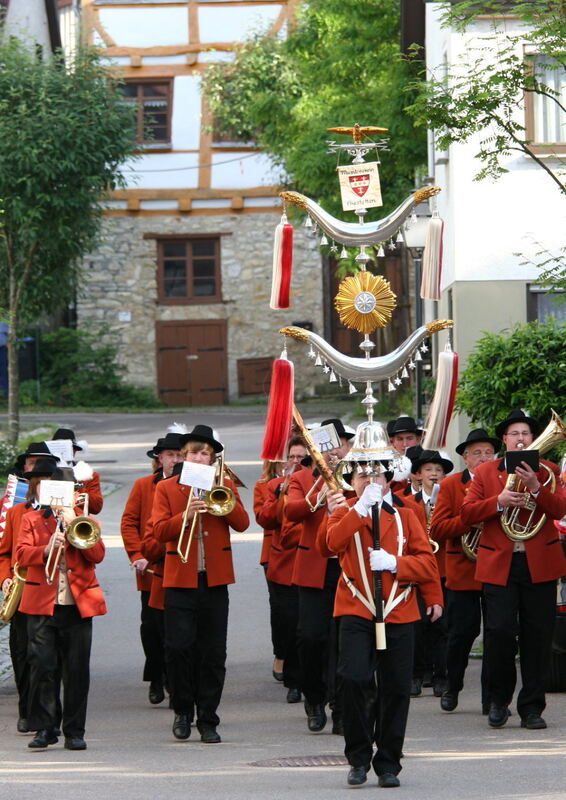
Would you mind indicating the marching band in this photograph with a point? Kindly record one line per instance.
(457, 551)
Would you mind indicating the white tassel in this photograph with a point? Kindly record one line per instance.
(432, 260)
(442, 403)
(177, 427)
(82, 472)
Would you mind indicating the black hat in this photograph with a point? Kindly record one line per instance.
(202, 433)
(478, 435)
(43, 466)
(431, 457)
(63, 474)
(403, 425)
(517, 415)
(412, 453)
(38, 449)
(171, 441)
(67, 433)
(340, 429)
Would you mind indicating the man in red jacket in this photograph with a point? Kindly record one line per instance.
(196, 590)
(137, 511)
(463, 592)
(518, 577)
(405, 559)
(59, 623)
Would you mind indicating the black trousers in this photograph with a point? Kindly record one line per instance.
(19, 656)
(527, 609)
(196, 627)
(464, 610)
(63, 642)
(376, 689)
(284, 607)
(152, 636)
(317, 639)
(430, 643)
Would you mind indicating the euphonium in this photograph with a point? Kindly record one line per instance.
(470, 541)
(12, 598)
(513, 528)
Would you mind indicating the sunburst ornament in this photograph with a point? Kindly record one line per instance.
(365, 302)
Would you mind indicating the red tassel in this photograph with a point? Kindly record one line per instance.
(279, 411)
(282, 266)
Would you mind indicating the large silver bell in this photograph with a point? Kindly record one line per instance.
(371, 443)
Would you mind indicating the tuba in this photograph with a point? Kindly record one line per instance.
(12, 598)
(513, 527)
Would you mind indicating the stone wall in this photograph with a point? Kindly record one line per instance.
(121, 278)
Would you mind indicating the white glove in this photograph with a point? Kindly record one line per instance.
(382, 561)
(371, 495)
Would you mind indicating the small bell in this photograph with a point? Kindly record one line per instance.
(399, 239)
(308, 222)
(318, 361)
(418, 356)
(343, 253)
(404, 374)
(390, 387)
(333, 378)
(323, 239)
(381, 252)
(351, 388)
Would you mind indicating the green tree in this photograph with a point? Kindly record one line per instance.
(63, 135)
(522, 368)
(339, 64)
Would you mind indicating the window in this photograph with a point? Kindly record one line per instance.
(153, 109)
(542, 305)
(189, 270)
(546, 120)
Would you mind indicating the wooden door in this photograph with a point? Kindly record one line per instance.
(191, 362)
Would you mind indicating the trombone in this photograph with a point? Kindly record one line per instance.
(219, 501)
(82, 532)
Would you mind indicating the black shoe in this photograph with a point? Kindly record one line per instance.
(338, 727)
(416, 687)
(533, 722)
(498, 716)
(357, 776)
(181, 726)
(209, 734)
(277, 675)
(439, 687)
(294, 696)
(156, 693)
(316, 717)
(22, 726)
(42, 739)
(449, 701)
(75, 743)
(388, 780)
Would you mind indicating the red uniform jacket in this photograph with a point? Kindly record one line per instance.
(415, 503)
(154, 551)
(135, 516)
(92, 488)
(281, 559)
(168, 507)
(38, 596)
(310, 564)
(10, 539)
(545, 557)
(416, 564)
(260, 494)
(447, 527)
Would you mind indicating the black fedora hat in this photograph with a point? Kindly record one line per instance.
(517, 415)
(412, 453)
(202, 433)
(403, 425)
(38, 449)
(431, 457)
(340, 429)
(478, 435)
(67, 433)
(171, 441)
(43, 467)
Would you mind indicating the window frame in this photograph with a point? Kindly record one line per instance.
(537, 147)
(140, 82)
(189, 298)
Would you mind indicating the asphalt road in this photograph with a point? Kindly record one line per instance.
(131, 751)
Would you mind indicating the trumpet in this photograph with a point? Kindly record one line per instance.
(219, 501)
(82, 532)
(513, 528)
